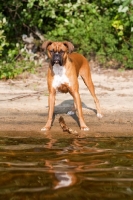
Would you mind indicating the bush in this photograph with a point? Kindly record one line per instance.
(3, 41)
(102, 30)
(11, 70)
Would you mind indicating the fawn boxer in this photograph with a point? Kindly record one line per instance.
(63, 72)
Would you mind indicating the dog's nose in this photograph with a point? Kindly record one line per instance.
(57, 57)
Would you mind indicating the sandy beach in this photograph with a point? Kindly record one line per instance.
(24, 105)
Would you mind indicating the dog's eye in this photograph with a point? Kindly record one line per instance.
(52, 51)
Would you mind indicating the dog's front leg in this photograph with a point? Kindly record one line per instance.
(51, 102)
(77, 101)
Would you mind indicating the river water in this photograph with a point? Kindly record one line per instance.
(56, 169)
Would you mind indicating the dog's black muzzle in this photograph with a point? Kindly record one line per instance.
(57, 59)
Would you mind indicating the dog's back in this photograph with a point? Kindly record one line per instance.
(80, 62)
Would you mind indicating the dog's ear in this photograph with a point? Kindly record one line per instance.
(69, 45)
(46, 44)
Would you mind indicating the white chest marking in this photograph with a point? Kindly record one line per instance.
(59, 76)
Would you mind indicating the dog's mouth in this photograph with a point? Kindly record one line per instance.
(58, 62)
(57, 59)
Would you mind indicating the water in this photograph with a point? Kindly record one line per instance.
(77, 169)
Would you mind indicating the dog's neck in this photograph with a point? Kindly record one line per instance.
(59, 76)
(58, 69)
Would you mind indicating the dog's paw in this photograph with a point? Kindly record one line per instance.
(85, 129)
(44, 129)
(99, 115)
(70, 112)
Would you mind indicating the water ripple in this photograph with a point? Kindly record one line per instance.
(66, 168)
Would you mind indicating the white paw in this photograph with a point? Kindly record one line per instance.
(44, 129)
(70, 113)
(99, 115)
(85, 129)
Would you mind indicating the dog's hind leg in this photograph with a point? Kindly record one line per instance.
(86, 76)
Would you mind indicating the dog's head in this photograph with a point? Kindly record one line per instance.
(58, 51)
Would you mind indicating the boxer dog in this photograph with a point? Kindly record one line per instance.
(63, 72)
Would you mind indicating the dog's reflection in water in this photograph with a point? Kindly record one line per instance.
(65, 179)
(60, 168)
(62, 178)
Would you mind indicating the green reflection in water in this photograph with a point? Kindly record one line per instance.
(91, 168)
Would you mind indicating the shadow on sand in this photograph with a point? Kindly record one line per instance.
(68, 105)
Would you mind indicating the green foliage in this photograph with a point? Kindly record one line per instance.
(12, 70)
(3, 42)
(102, 30)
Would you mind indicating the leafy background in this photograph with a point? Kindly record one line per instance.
(100, 29)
